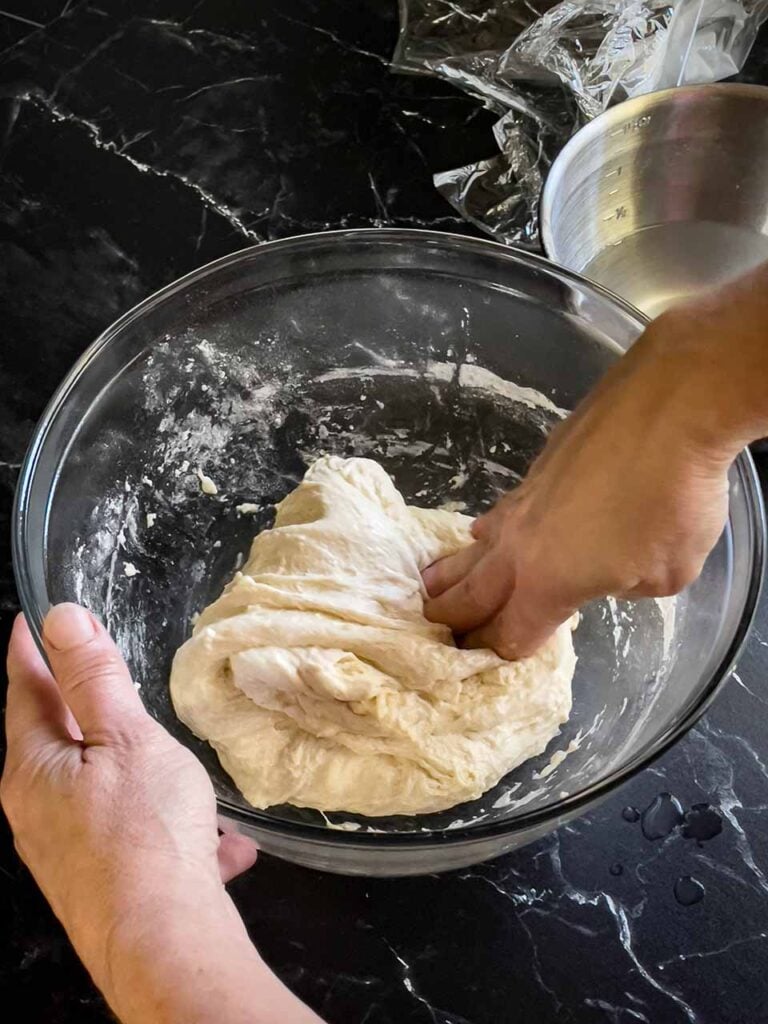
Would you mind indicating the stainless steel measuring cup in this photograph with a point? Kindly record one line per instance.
(663, 195)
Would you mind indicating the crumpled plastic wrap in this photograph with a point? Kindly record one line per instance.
(549, 67)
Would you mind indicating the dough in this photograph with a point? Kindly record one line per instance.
(320, 683)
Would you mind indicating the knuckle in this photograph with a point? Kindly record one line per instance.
(95, 668)
(658, 587)
(668, 581)
(126, 732)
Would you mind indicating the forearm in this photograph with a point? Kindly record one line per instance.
(716, 350)
(186, 959)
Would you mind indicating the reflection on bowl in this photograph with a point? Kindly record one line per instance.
(409, 347)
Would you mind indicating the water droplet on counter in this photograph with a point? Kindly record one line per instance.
(630, 814)
(616, 869)
(688, 890)
(701, 823)
(661, 817)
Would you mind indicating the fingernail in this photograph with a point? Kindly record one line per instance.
(428, 574)
(67, 626)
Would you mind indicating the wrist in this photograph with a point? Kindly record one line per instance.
(714, 371)
(176, 954)
(129, 913)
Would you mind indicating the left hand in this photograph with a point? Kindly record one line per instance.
(108, 811)
(117, 822)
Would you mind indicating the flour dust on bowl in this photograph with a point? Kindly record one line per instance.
(445, 359)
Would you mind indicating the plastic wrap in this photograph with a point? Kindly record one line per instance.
(547, 68)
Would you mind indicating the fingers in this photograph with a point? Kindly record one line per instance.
(475, 598)
(445, 573)
(482, 527)
(35, 713)
(522, 626)
(236, 854)
(91, 674)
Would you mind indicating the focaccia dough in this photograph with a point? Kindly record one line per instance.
(320, 683)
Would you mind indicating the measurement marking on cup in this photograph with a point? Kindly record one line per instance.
(632, 126)
(619, 214)
(635, 126)
(616, 171)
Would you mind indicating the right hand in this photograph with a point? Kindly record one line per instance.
(630, 493)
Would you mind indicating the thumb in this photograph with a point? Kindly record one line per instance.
(90, 672)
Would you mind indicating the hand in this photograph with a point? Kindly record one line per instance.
(117, 822)
(93, 787)
(630, 493)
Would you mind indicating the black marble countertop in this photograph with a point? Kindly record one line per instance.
(142, 139)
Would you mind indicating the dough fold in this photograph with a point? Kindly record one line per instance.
(319, 682)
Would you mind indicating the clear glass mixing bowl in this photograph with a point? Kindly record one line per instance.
(399, 345)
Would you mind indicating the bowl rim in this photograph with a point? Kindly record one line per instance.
(613, 118)
(470, 833)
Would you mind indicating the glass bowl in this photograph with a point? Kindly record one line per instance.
(410, 347)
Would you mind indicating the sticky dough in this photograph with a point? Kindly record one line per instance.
(319, 681)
